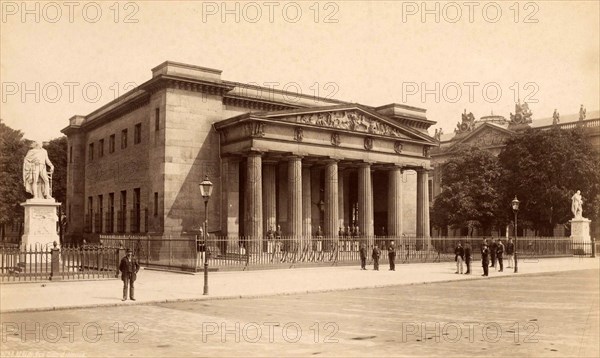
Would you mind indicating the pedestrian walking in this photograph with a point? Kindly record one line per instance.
(376, 254)
(363, 256)
(129, 268)
(468, 258)
(485, 261)
(392, 255)
(499, 254)
(510, 252)
(493, 247)
(459, 256)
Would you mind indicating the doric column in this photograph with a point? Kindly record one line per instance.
(365, 201)
(269, 197)
(253, 213)
(231, 202)
(331, 200)
(306, 204)
(341, 201)
(295, 198)
(395, 202)
(422, 203)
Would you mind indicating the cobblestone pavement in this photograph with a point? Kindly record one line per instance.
(550, 314)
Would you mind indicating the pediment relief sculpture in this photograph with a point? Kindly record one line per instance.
(352, 121)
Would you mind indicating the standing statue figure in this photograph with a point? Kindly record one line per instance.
(35, 167)
(581, 113)
(577, 205)
(555, 117)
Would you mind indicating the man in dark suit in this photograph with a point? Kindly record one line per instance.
(485, 261)
(376, 254)
(363, 256)
(468, 258)
(129, 268)
(493, 247)
(392, 255)
(499, 254)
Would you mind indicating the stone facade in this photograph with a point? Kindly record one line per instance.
(299, 164)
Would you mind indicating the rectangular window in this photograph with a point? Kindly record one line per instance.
(111, 143)
(136, 212)
(99, 214)
(89, 215)
(122, 216)
(137, 133)
(157, 119)
(155, 204)
(70, 154)
(124, 139)
(90, 152)
(101, 148)
(110, 224)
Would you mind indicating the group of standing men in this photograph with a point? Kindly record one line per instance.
(495, 251)
(376, 254)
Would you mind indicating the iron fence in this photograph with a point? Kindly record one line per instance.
(242, 253)
(40, 263)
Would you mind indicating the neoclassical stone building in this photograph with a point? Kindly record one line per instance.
(275, 158)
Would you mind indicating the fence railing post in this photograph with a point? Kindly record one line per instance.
(55, 263)
(593, 247)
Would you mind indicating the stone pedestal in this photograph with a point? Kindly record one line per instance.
(580, 234)
(40, 223)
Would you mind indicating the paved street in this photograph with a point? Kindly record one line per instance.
(549, 314)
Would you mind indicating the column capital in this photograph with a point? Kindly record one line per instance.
(253, 153)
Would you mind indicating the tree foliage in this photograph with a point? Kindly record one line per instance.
(544, 169)
(12, 151)
(57, 152)
(469, 194)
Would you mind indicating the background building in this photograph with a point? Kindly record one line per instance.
(490, 132)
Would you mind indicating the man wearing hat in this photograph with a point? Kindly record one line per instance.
(129, 268)
(485, 260)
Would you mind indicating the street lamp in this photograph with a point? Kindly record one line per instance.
(206, 190)
(515, 207)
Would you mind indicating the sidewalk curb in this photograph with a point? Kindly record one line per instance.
(288, 293)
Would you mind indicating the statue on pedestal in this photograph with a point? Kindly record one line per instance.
(577, 205)
(35, 167)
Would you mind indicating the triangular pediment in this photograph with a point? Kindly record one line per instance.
(486, 135)
(353, 118)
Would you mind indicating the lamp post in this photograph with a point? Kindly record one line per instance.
(206, 190)
(515, 207)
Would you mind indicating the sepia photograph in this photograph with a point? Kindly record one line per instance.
(299, 178)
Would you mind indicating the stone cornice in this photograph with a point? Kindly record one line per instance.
(252, 103)
(187, 84)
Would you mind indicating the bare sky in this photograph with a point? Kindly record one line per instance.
(59, 59)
